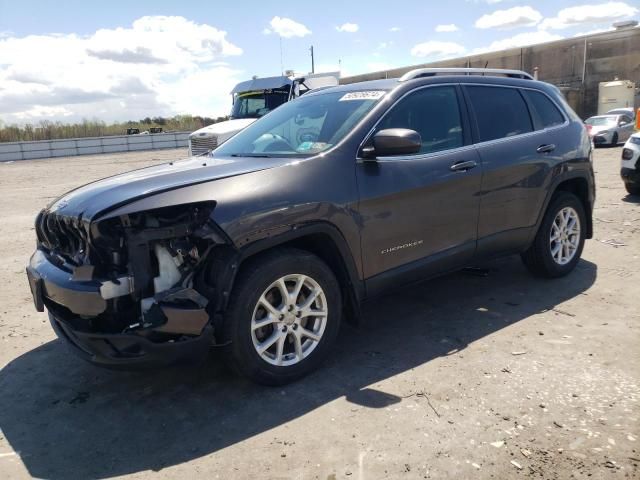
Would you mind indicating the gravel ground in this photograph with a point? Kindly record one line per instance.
(498, 376)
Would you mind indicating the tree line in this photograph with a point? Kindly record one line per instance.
(48, 130)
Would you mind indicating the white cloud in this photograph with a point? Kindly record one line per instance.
(512, 17)
(287, 28)
(395, 29)
(589, 14)
(348, 27)
(132, 72)
(434, 48)
(520, 40)
(448, 27)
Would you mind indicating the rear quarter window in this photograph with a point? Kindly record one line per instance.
(500, 112)
(543, 110)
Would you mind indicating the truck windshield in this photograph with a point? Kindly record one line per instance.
(303, 127)
(257, 104)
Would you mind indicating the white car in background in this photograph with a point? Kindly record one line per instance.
(631, 164)
(610, 129)
(253, 99)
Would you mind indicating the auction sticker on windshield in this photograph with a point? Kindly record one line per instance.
(364, 95)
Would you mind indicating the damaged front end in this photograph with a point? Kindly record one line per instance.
(132, 289)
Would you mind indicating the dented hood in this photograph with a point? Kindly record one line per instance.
(101, 196)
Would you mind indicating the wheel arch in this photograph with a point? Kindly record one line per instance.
(323, 240)
(578, 184)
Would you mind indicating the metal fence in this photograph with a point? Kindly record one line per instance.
(90, 145)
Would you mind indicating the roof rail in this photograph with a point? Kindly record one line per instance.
(432, 72)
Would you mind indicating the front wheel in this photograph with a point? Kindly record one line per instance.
(284, 314)
(632, 189)
(558, 244)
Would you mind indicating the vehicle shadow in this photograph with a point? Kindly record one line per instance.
(67, 419)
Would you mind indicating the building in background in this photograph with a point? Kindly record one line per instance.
(575, 65)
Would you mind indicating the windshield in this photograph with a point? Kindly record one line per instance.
(303, 127)
(257, 104)
(599, 121)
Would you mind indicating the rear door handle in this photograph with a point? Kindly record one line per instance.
(550, 147)
(463, 166)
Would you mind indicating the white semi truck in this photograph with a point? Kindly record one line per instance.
(253, 99)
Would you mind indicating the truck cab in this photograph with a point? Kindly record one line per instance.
(253, 99)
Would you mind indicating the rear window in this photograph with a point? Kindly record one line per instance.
(500, 112)
(545, 112)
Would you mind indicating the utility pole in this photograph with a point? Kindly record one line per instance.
(313, 67)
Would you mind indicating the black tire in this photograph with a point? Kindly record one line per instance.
(632, 189)
(538, 258)
(614, 139)
(253, 279)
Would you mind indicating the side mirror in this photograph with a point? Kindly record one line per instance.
(622, 123)
(393, 141)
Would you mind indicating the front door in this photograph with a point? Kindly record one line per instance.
(420, 212)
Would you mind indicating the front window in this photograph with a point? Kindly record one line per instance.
(600, 121)
(257, 104)
(303, 127)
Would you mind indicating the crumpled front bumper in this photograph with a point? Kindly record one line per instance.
(72, 303)
(129, 350)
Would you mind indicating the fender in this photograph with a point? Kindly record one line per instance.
(288, 234)
(557, 180)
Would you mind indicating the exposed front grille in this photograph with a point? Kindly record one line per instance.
(65, 236)
(200, 145)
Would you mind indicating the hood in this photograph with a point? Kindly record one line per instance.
(104, 195)
(222, 128)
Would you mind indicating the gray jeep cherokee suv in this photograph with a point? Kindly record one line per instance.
(331, 199)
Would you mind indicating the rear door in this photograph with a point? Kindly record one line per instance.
(419, 213)
(517, 153)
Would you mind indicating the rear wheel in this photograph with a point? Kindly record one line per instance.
(283, 317)
(558, 244)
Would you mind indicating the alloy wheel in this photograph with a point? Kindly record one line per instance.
(565, 236)
(289, 320)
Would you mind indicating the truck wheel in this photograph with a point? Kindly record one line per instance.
(283, 316)
(558, 244)
(632, 189)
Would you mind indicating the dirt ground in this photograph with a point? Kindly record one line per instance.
(467, 376)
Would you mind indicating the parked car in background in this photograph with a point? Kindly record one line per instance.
(630, 112)
(630, 171)
(253, 99)
(610, 129)
(329, 200)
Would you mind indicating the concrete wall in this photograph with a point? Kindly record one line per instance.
(90, 145)
(563, 63)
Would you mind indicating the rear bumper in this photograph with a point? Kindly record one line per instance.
(74, 305)
(630, 176)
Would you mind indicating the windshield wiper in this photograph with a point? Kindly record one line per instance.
(252, 155)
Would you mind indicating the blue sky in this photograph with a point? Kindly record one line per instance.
(119, 60)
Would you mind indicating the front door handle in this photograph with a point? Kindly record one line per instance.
(463, 166)
(550, 147)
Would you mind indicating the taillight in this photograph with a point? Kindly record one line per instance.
(627, 154)
(588, 128)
